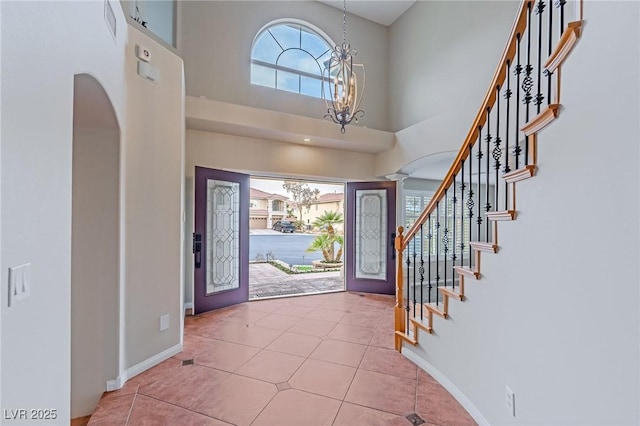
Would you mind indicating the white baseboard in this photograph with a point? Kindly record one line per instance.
(188, 305)
(119, 382)
(446, 383)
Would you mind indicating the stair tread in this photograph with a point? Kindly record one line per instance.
(436, 310)
(483, 246)
(502, 215)
(406, 338)
(452, 293)
(462, 270)
(421, 325)
(520, 174)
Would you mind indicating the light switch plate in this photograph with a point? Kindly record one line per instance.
(19, 283)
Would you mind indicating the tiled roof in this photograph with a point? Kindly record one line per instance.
(256, 194)
(330, 198)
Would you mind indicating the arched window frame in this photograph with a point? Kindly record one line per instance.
(311, 29)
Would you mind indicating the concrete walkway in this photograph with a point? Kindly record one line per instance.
(266, 280)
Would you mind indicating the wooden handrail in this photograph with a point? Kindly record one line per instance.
(498, 78)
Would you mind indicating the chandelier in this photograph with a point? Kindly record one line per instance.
(340, 80)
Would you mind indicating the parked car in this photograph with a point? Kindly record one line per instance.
(284, 226)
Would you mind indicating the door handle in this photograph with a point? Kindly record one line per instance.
(197, 250)
(393, 245)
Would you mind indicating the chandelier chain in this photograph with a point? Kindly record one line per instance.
(344, 22)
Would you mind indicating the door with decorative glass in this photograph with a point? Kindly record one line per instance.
(221, 239)
(370, 226)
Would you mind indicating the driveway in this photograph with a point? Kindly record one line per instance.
(289, 248)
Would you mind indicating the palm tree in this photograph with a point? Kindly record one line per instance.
(321, 243)
(328, 238)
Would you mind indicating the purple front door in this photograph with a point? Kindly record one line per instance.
(221, 239)
(370, 227)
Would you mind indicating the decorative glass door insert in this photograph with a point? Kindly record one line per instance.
(223, 222)
(371, 234)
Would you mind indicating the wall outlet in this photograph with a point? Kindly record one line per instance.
(164, 322)
(510, 401)
(19, 283)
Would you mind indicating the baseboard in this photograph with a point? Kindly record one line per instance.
(119, 382)
(188, 305)
(446, 383)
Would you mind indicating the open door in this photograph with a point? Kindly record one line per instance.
(370, 228)
(221, 239)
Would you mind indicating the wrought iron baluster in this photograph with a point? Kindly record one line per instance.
(507, 169)
(479, 156)
(414, 276)
(462, 188)
(408, 307)
(540, 6)
(470, 202)
(487, 204)
(430, 236)
(421, 269)
(550, 50)
(445, 237)
(454, 201)
(517, 70)
(527, 83)
(437, 251)
(497, 151)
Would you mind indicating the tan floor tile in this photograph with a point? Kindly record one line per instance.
(383, 338)
(294, 311)
(152, 412)
(237, 400)
(383, 392)
(113, 411)
(349, 333)
(224, 356)
(312, 327)
(351, 414)
(244, 314)
(326, 315)
(345, 353)
(268, 306)
(258, 337)
(361, 319)
(273, 367)
(323, 378)
(277, 321)
(435, 405)
(388, 361)
(294, 344)
(184, 387)
(296, 408)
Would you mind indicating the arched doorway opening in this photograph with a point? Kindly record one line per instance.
(95, 245)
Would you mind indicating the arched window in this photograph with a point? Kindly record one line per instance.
(290, 55)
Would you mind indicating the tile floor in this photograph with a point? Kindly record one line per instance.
(311, 360)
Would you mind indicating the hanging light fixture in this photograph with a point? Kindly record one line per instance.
(340, 80)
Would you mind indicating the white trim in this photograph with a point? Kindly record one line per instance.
(446, 383)
(188, 305)
(119, 382)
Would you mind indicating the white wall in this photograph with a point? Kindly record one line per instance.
(40, 56)
(555, 316)
(37, 114)
(153, 176)
(95, 268)
(442, 56)
(207, 29)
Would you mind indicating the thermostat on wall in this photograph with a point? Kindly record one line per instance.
(143, 53)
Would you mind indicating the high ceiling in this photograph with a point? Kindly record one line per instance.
(382, 12)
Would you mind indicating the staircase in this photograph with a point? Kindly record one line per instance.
(444, 247)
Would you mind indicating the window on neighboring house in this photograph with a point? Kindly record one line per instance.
(415, 202)
(290, 56)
